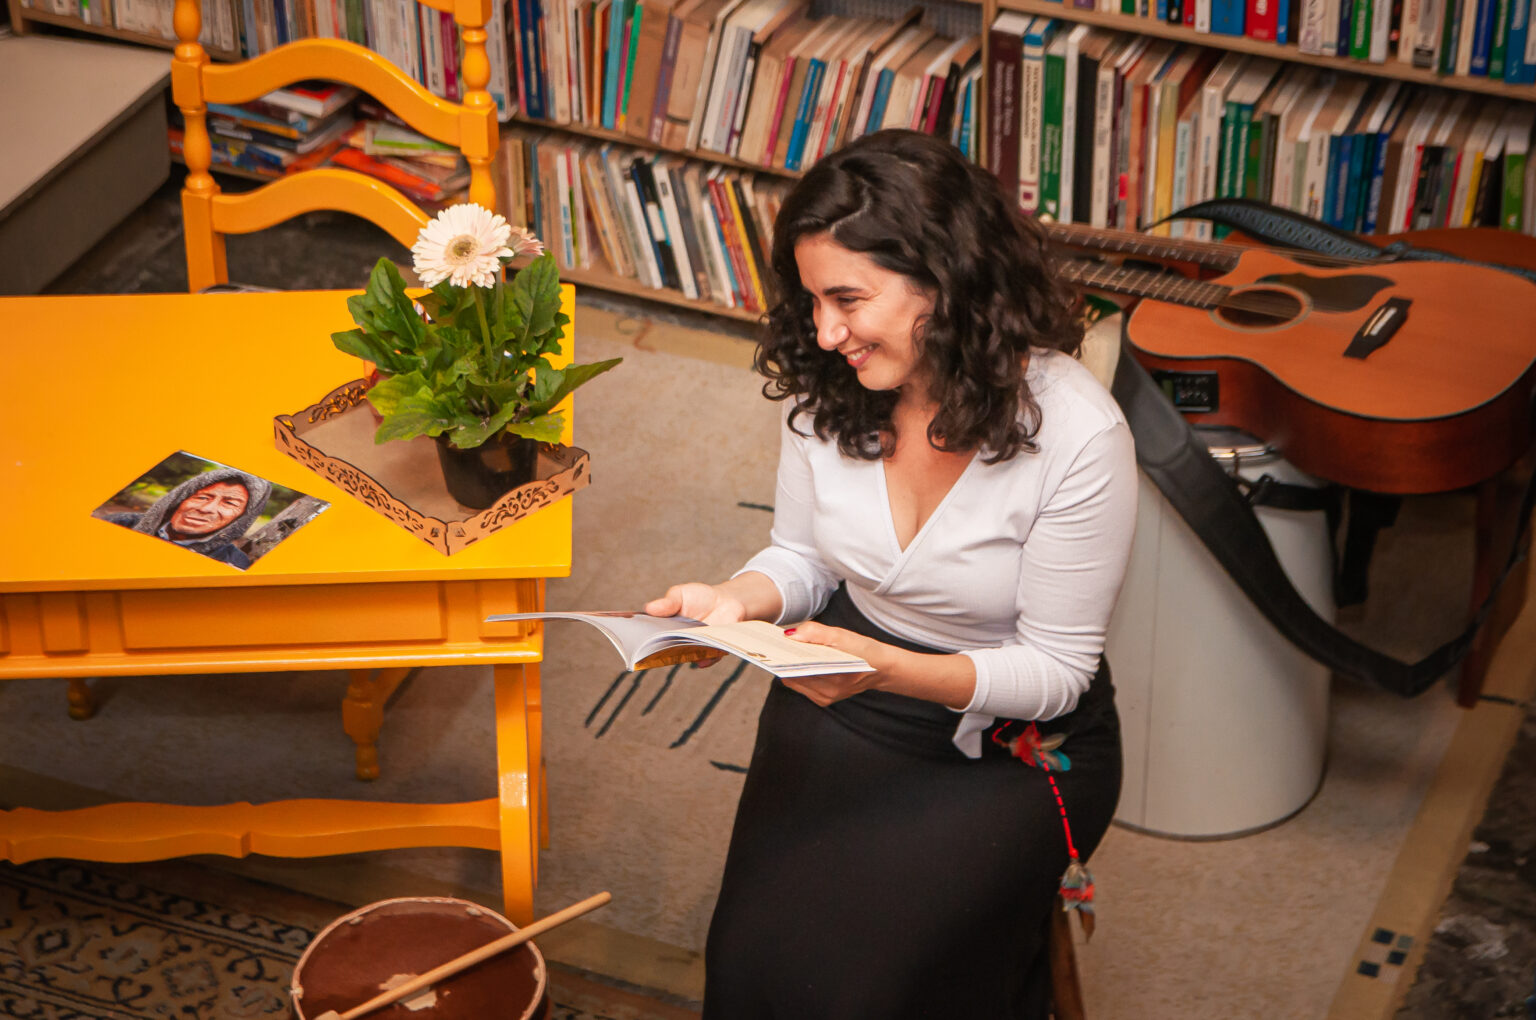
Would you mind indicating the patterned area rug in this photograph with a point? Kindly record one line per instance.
(102, 942)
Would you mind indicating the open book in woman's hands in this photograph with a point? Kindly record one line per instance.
(647, 641)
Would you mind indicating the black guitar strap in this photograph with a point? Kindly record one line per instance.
(1218, 511)
(1285, 228)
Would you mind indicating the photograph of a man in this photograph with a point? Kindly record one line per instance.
(210, 509)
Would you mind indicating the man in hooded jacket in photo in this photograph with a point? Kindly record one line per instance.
(206, 513)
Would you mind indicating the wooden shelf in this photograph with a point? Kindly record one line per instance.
(1242, 44)
(33, 14)
(605, 280)
(588, 131)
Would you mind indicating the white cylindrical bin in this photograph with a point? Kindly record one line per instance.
(1224, 721)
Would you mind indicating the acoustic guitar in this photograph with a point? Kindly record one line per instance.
(1398, 377)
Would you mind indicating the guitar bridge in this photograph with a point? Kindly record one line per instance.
(1386, 320)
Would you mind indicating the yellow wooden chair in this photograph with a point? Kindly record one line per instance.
(208, 215)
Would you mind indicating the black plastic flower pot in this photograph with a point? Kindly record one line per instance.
(478, 477)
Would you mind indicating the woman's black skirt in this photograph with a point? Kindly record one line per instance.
(877, 873)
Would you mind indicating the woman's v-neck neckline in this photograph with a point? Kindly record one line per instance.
(902, 551)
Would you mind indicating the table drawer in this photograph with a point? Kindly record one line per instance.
(101, 628)
(307, 615)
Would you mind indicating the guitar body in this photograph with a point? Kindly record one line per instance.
(1442, 401)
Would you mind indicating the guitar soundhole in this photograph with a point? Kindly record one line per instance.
(1260, 308)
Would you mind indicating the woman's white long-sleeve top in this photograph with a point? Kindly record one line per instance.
(1018, 568)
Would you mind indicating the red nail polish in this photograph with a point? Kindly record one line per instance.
(790, 630)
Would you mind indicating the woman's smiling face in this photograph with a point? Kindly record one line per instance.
(864, 312)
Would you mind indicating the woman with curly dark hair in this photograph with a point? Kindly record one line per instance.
(955, 503)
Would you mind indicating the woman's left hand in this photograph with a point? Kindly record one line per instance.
(827, 688)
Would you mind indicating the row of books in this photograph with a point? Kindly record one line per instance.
(1119, 130)
(665, 221)
(757, 80)
(1485, 38)
(418, 39)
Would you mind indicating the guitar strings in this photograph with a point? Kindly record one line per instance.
(1138, 282)
(1199, 252)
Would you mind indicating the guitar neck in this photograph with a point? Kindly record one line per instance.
(1213, 254)
(1143, 283)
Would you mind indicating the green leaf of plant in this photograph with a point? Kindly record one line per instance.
(387, 309)
(387, 394)
(546, 428)
(570, 378)
(364, 345)
(424, 413)
(546, 383)
(470, 436)
(536, 291)
(407, 425)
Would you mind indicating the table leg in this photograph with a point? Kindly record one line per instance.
(82, 704)
(513, 760)
(538, 780)
(362, 713)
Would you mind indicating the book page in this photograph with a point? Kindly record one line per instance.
(629, 631)
(765, 645)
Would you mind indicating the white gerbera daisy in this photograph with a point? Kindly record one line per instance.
(464, 245)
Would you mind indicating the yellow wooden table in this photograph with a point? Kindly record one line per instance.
(100, 389)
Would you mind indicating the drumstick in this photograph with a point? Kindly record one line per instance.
(470, 958)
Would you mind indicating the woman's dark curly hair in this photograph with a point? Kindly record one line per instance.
(916, 206)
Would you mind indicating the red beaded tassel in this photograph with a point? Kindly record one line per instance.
(1044, 754)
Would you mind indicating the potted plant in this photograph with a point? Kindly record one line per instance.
(469, 363)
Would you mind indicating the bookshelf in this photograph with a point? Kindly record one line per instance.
(1392, 68)
(22, 17)
(620, 138)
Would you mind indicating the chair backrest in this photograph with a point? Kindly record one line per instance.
(208, 215)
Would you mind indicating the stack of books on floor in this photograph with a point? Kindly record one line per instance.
(662, 220)
(1119, 130)
(314, 124)
(1480, 38)
(289, 130)
(758, 81)
(383, 146)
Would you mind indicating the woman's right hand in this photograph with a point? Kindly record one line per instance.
(698, 601)
(703, 602)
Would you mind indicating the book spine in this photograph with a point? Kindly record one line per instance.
(627, 65)
(748, 234)
(1103, 159)
(1051, 104)
(726, 227)
(743, 99)
(1517, 69)
(1261, 20)
(1032, 116)
(1445, 59)
(963, 139)
(673, 225)
(655, 225)
(1005, 82)
(1512, 194)
(1360, 31)
(1482, 39)
(803, 115)
(1227, 17)
(694, 244)
(1498, 51)
(658, 121)
(612, 70)
(882, 95)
